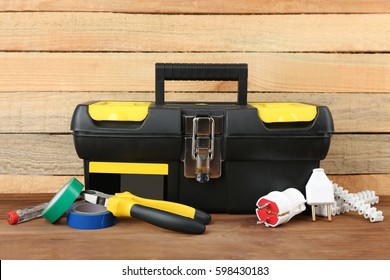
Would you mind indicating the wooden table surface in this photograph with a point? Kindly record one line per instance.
(348, 236)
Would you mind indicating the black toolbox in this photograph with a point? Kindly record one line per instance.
(218, 157)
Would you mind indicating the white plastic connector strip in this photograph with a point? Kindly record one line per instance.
(361, 202)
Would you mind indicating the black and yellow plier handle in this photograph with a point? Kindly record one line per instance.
(165, 214)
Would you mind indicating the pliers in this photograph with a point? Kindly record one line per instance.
(165, 214)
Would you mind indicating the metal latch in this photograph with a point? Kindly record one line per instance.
(202, 160)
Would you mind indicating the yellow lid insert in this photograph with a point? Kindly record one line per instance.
(119, 111)
(128, 168)
(285, 112)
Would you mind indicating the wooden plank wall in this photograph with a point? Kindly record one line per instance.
(56, 54)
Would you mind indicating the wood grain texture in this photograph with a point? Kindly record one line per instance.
(38, 154)
(51, 112)
(296, 72)
(34, 184)
(355, 154)
(57, 54)
(194, 33)
(202, 6)
(45, 154)
(356, 183)
(232, 237)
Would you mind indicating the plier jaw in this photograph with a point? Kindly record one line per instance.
(95, 197)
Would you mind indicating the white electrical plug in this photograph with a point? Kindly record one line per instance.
(319, 192)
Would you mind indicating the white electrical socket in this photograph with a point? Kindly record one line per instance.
(277, 208)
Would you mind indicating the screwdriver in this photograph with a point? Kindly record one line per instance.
(25, 214)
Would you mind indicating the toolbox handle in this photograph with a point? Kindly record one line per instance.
(202, 72)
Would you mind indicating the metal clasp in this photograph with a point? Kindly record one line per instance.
(202, 146)
(202, 161)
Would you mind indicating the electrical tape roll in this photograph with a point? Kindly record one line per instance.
(85, 215)
(62, 200)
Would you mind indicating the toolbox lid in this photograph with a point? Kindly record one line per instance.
(285, 112)
(119, 111)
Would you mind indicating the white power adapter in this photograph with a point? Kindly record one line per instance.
(319, 192)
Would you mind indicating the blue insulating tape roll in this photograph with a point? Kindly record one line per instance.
(85, 215)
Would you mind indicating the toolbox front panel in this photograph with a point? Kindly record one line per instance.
(276, 148)
(243, 184)
(237, 191)
(247, 181)
(210, 196)
(127, 148)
